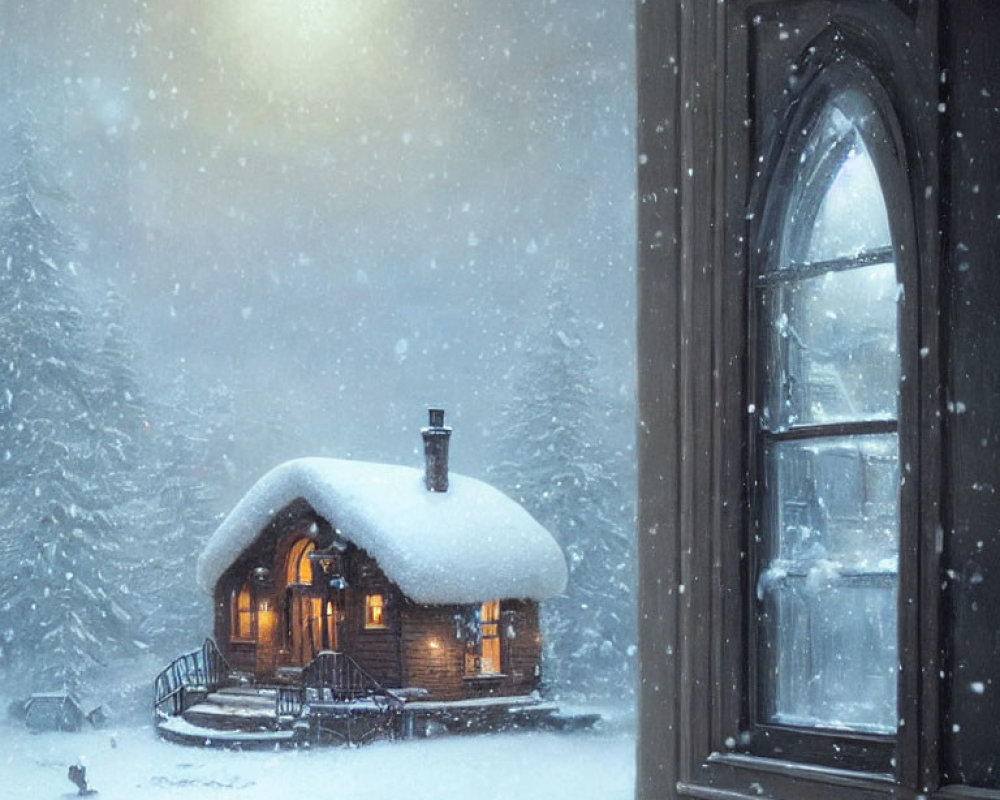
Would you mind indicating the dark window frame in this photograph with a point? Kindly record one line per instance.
(830, 69)
(711, 110)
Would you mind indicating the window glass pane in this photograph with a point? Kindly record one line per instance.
(834, 653)
(836, 207)
(829, 584)
(832, 348)
(852, 217)
(242, 617)
(835, 498)
(828, 507)
(490, 637)
(374, 611)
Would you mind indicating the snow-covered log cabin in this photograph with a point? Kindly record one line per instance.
(427, 581)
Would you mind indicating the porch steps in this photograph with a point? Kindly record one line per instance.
(237, 717)
(178, 729)
(237, 708)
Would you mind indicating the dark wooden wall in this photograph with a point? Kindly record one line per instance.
(434, 657)
(377, 650)
(704, 82)
(971, 271)
(522, 653)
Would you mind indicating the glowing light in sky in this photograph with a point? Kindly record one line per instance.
(301, 49)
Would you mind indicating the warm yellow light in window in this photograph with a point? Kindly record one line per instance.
(265, 622)
(242, 621)
(490, 631)
(299, 567)
(482, 652)
(375, 611)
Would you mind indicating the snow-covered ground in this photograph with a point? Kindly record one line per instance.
(129, 763)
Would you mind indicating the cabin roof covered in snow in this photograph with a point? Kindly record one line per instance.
(466, 545)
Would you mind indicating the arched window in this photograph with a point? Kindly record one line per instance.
(298, 565)
(824, 469)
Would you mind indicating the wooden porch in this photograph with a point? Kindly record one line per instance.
(200, 700)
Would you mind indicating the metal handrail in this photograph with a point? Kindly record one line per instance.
(205, 669)
(338, 675)
(343, 677)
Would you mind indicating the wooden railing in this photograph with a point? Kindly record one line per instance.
(289, 701)
(196, 673)
(334, 677)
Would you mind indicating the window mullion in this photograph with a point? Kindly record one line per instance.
(794, 271)
(870, 427)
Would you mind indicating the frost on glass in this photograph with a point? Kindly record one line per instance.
(837, 208)
(852, 217)
(829, 384)
(832, 347)
(829, 586)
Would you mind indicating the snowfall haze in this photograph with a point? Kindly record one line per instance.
(340, 216)
(237, 233)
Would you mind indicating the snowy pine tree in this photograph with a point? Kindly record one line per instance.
(59, 599)
(553, 459)
(118, 394)
(191, 468)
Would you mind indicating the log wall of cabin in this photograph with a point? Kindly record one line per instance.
(521, 653)
(433, 657)
(433, 652)
(377, 650)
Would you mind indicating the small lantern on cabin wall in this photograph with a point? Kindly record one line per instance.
(261, 575)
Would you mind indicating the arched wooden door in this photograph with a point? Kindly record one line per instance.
(310, 618)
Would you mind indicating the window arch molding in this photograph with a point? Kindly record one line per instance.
(792, 183)
(825, 70)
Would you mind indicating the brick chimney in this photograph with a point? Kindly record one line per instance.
(436, 436)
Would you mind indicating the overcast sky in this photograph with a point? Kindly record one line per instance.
(342, 210)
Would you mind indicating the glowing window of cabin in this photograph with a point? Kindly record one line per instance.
(374, 611)
(490, 630)
(241, 606)
(482, 652)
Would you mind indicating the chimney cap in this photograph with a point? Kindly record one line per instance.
(436, 418)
